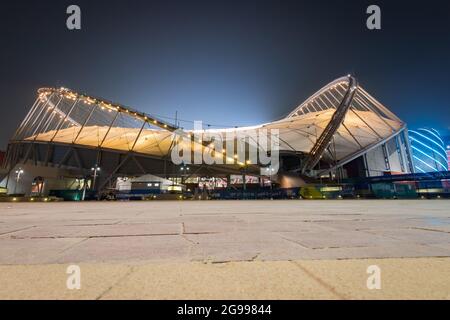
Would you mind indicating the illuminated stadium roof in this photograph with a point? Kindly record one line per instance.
(337, 124)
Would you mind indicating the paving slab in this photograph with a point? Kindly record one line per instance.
(421, 278)
(221, 230)
(127, 248)
(33, 251)
(400, 278)
(50, 281)
(377, 252)
(338, 239)
(415, 235)
(234, 280)
(97, 230)
(6, 229)
(363, 224)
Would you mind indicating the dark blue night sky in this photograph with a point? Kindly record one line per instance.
(228, 62)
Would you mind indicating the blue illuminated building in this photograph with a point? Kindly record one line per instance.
(428, 149)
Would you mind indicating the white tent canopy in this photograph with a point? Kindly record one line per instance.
(65, 117)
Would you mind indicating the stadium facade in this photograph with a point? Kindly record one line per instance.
(69, 139)
(448, 156)
(447, 150)
(428, 150)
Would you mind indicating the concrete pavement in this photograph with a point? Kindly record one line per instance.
(221, 231)
(226, 249)
(412, 278)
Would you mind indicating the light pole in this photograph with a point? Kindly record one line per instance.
(244, 177)
(19, 172)
(184, 169)
(271, 174)
(83, 196)
(95, 170)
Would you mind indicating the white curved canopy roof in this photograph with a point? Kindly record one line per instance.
(67, 117)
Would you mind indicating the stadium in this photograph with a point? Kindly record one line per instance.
(74, 141)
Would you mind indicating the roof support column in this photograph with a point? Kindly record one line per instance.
(50, 116)
(43, 107)
(27, 118)
(85, 122)
(334, 124)
(109, 129)
(138, 136)
(64, 119)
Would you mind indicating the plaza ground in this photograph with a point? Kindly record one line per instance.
(294, 249)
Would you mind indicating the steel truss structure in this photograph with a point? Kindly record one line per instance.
(64, 128)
